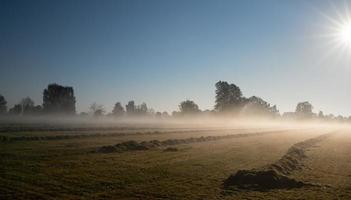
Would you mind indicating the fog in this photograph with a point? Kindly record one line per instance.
(198, 122)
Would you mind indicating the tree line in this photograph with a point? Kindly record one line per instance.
(57, 99)
(229, 101)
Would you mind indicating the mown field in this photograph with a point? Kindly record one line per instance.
(66, 163)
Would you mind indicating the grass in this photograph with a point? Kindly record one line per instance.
(67, 169)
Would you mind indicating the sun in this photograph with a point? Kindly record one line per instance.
(344, 34)
(335, 34)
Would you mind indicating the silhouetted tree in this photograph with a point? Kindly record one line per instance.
(304, 110)
(27, 106)
(188, 107)
(37, 110)
(130, 107)
(141, 109)
(16, 109)
(97, 109)
(228, 97)
(257, 106)
(274, 110)
(329, 117)
(158, 115)
(3, 105)
(118, 110)
(59, 100)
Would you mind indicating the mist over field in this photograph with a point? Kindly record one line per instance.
(182, 99)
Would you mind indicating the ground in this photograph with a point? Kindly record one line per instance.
(64, 163)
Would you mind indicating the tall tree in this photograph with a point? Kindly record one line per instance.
(143, 108)
(3, 105)
(228, 97)
(118, 110)
(188, 107)
(130, 107)
(58, 99)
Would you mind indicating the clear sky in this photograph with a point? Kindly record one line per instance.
(163, 52)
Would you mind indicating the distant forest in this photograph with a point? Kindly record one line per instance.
(229, 101)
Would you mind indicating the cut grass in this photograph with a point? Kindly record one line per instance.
(64, 169)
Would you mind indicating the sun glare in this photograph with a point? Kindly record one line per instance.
(336, 36)
(344, 34)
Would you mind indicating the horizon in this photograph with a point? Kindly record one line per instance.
(164, 52)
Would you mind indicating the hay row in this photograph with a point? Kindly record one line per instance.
(275, 175)
(147, 145)
(75, 136)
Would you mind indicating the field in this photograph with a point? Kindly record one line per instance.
(173, 162)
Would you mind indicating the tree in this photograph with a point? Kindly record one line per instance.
(340, 118)
(257, 106)
(27, 105)
(304, 110)
(274, 110)
(188, 107)
(130, 107)
(158, 115)
(165, 114)
(228, 97)
(118, 110)
(320, 115)
(37, 110)
(16, 109)
(141, 109)
(3, 103)
(97, 109)
(331, 116)
(59, 100)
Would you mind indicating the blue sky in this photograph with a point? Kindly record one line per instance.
(163, 52)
